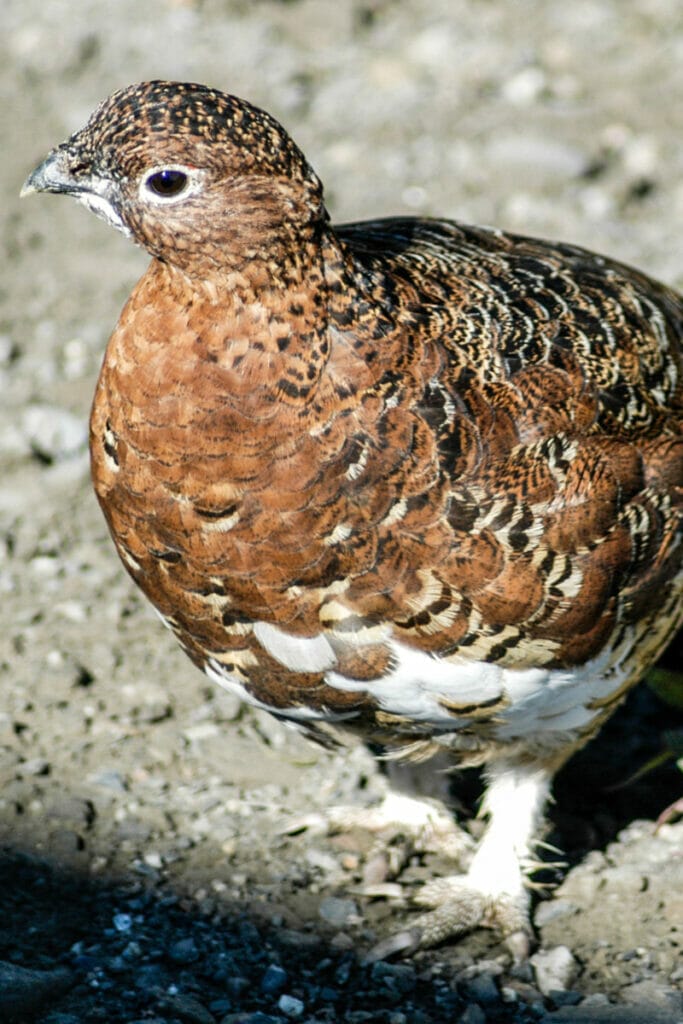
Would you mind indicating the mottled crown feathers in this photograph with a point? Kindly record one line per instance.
(152, 117)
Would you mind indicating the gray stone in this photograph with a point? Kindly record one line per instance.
(54, 433)
(188, 1009)
(274, 980)
(481, 988)
(657, 993)
(290, 1006)
(555, 969)
(399, 977)
(336, 911)
(184, 951)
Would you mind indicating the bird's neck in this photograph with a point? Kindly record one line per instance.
(278, 346)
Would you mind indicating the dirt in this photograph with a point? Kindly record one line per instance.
(150, 870)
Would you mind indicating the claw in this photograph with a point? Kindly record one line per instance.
(404, 943)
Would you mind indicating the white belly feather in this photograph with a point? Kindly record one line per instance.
(424, 688)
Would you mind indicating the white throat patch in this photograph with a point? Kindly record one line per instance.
(103, 209)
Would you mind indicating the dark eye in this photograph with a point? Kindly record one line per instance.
(167, 183)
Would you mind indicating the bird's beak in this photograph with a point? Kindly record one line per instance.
(63, 171)
(53, 175)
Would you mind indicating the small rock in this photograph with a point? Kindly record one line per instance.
(525, 86)
(342, 942)
(399, 977)
(184, 951)
(34, 766)
(188, 1009)
(149, 977)
(337, 912)
(565, 997)
(107, 780)
(145, 702)
(555, 969)
(73, 809)
(481, 988)
(650, 991)
(290, 1006)
(53, 433)
(123, 922)
(549, 910)
(274, 980)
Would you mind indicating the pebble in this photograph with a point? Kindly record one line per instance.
(34, 766)
(145, 702)
(549, 910)
(274, 980)
(555, 969)
(52, 433)
(481, 988)
(72, 809)
(342, 942)
(651, 991)
(337, 912)
(184, 951)
(150, 976)
(188, 1009)
(107, 780)
(290, 1006)
(400, 978)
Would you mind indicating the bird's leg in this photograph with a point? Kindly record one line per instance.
(493, 892)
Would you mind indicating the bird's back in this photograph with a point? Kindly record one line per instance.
(557, 408)
(500, 303)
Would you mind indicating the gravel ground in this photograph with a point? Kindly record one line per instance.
(149, 870)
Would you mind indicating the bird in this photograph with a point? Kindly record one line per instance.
(405, 480)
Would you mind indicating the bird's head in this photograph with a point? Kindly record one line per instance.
(192, 174)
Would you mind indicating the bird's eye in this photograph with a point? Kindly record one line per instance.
(168, 183)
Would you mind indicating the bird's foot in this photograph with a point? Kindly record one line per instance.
(457, 905)
(494, 891)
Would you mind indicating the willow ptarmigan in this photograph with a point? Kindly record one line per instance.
(406, 478)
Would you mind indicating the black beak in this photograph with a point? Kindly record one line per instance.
(53, 175)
